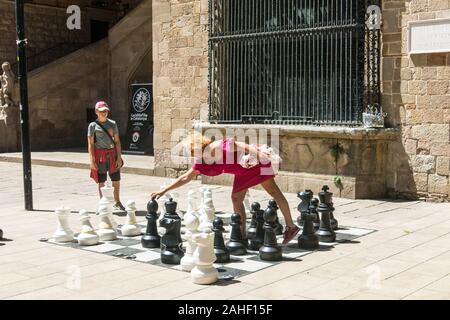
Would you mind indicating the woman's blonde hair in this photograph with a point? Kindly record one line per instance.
(196, 140)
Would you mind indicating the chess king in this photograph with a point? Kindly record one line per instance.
(222, 156)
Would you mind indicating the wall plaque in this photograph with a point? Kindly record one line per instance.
(429, 36)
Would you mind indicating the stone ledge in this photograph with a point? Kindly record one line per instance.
(340, 132)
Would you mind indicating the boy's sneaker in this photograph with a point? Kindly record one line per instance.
(290, 233)
(118, 207)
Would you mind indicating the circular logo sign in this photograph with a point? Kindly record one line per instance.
(136, 137)
(141, 100)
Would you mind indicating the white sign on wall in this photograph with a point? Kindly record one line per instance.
(429, 36)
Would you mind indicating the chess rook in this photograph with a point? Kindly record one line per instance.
(304, 204)
(204, 257)
(63, 233)
(278, 226)
(270, 251)
(220, 250)
(171, 242)
(236, 245)
(325, 232)
(87, 236)
(151, 238)
(131, 228)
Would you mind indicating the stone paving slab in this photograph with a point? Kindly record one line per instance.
(408, 257)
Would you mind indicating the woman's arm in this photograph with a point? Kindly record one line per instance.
(91, 150)
(181, 181)
(118, 150)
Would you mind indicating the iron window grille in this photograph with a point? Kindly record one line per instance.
(292, 61)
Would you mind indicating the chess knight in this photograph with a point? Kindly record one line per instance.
(7, 81)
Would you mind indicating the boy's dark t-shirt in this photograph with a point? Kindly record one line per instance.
(101, 139)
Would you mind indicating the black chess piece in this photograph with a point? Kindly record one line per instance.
(313, 210)
(303, 206)
(236, 245)
(278, 226)
(270, 251)
(258, 240)
(308, 240)
(151, 238)
(171, 242)
(325, 232)
(220, 250)
(333, 221)
(251, 231)
(1, 234)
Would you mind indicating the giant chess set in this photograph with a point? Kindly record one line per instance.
(208, 244)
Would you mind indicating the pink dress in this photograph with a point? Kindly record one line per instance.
(243, 178)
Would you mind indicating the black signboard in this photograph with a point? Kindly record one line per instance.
(140, 121)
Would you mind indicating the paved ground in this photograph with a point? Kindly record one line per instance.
(407, 258)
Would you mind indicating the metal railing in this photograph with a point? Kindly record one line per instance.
(291, 61)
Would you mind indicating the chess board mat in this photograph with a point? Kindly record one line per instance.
(131, 248)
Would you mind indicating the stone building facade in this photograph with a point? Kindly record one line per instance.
(408, 159)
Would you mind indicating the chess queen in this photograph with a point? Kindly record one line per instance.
(212, 158)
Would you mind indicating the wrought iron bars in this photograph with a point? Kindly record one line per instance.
(291, 61)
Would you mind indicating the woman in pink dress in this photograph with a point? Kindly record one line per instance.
(224, 156)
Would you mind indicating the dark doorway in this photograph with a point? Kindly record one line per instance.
(99, 30)
(90, 115)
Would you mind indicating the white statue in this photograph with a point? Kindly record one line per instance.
(63, 232)
(204, 257)
(7, 81)
(87, 236)
(130, 228)
(191, 221)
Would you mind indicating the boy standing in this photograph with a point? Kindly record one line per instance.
(105, 152)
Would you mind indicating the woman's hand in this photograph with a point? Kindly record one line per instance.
(156, 195)
(94, 166)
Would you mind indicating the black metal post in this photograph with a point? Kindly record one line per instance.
(22, 77)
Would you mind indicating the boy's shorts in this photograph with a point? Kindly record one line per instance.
(103, 168)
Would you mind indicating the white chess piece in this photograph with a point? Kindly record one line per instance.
(87, 236)
(192, 223)
(107, 200)
(207, 210)
(63, 232)
(204, 257)
(106, 230)
(130, 228)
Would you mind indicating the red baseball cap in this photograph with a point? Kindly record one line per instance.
(101, 106)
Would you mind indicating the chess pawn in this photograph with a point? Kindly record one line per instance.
(325, 232)
(270, 251)
(130, 228)
(308, 239)
(313, 210)
(87, 236)
(107, 201)
(220, 250)
(151, 238)
(303, 206)
(236, 245)
(251, 231)
(278, 225)
(191, 221)
(63, 232)
(106, 230)
(204, 257)
(258, 240)
(193, 206)
(171, 242)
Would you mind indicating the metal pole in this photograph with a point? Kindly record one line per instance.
(22, 77)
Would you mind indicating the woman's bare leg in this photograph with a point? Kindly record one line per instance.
(100, 185)
(272, 188)
(116, 186)
(238, 207)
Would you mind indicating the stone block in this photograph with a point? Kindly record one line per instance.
(423, 163)
(411, 146)
(437, 184)
(443, 166)
(431, 132)
(437, 87)
(421, 181)
(440, 149)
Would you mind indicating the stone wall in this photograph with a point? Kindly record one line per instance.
(180, 69)
(416, 94)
